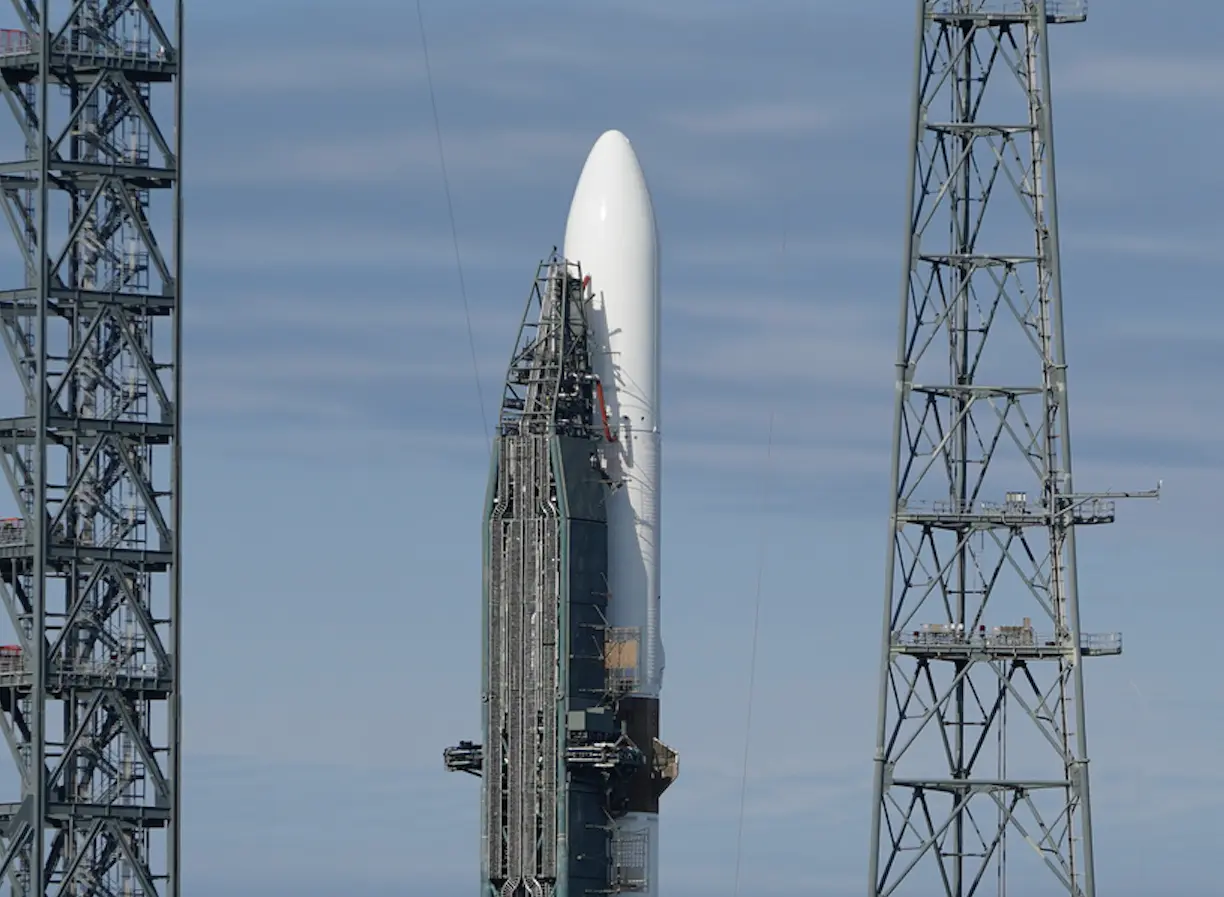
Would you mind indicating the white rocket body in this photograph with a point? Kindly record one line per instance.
(611, 233)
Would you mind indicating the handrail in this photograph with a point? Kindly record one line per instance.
(1003, 638)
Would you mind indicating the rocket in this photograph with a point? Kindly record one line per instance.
(571, 762)
(612, 234)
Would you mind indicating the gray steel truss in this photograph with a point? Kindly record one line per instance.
(981, 766)
(557, 757)
(89, 549)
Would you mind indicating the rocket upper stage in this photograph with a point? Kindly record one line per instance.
(612, 233)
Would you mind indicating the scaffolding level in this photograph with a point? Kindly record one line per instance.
(981, 777)
(89, 551)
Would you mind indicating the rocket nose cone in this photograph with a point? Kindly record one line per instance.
(612, 141)
(611, 188)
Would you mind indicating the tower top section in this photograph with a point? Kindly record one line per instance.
(1001, 12)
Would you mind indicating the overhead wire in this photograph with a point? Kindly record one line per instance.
(752, 662)
(450, 211)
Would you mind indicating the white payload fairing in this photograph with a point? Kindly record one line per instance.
(611, 233)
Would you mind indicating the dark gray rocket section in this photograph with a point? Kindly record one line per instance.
(558, 759)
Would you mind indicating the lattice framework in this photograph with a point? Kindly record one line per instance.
(89, 557)
(981, 765)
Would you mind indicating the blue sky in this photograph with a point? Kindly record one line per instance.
(336, 452)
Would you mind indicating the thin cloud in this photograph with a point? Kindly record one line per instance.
(707, 179)
(804, 342)
(318, 245)
(1129, 410)
(331, 315)
(772, 797)
(514, 63)
(1186, 248)
(816, 462)
(824, 368)
(305, 69)
(1148, 795)
(736, 252)
(1142, 77)
(510, 155)
(443, 451)
(766, 118)
(319, 366)
(1204, 330)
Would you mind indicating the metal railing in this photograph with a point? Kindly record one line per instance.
(12, 531)
(1055, 9)
(12, 660)
(466, 756)
(1101, 642)
(14, 42)
(1004, 638)
(1080, 510)
(605, 755)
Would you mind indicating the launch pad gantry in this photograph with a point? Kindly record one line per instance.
(981, 767)
(89, 552)
(567, 749)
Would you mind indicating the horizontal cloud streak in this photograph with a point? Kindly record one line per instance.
(1139, 77)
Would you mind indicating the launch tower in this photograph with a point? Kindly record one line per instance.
(561, 758)
(89, 547)
(981, 767)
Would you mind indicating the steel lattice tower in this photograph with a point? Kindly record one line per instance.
(89, 556)
(981, 760)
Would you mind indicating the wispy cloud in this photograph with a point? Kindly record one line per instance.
(1144, 77)
(512, 63)
(1144, 410)
(319, 244)
(703, 176)
(360, 360)
(803, 340)
(384, 319)
(723, 251)
(1148, 794)
(1203, 330)
(226, 69)
(328, 386)
(317, 367)
(1193, 249)
(324, 432)
(822, 367)
(721, 12)
(297, 852)
(767, 118)
(377, 158)
(772, 797)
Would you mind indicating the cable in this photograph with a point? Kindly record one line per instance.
(450, 210)
(752, 663)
